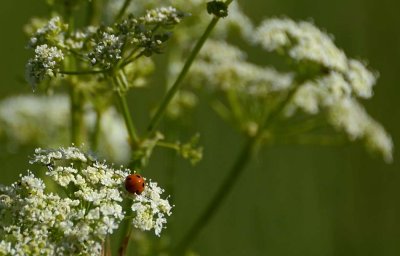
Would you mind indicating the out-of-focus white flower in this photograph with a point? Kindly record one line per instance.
(164, 15)
(361, 79)
(302, 41)
(224, 67)
(332, 93)
(348, 115)
(43, 121)
(150, 209)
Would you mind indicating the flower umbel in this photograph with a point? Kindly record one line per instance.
(45, 64)
(77, 221)
(150, 209)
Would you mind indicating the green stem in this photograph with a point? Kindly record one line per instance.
(167, 145)
(84, 72)
(76, 109)
(125, 241)
(92, 12)
(123, 9)
(232, 177)
(175, 87)
(237, 169)
(96, 131)
(123, 104)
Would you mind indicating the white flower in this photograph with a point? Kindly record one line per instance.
(164, 15)
(224, 67)
(302, 40)
(361, 79)
(50, 33)
(150, 209)
(36, 222)
(334, 94)
(107, 50)
(46, 63)
(348, 115)
(48, 223)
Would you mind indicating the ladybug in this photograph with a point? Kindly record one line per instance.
(134, 183)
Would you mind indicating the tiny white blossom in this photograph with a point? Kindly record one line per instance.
(46, 63)
(150, 209)
(107, 50)
(50, 33)
(164, 15)
(84, 218)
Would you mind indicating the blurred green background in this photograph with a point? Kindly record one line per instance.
(292, 200)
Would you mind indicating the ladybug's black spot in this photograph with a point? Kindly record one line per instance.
(142, 184)
(129, 178)
(138, 176)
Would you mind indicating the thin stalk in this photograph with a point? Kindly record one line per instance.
(215, 204)
(76, 109)
(84, 72)
(92, 12)
(121, 98)
(167, 145)
(97, 130)
(177, 84)
(123, 9)
(249, 149)
(125, 241)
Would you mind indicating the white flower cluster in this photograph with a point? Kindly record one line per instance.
(302, 41)
(165, 16)
(334, 94)
(52, 33)
(46, 63)
(333, 89)
(199, 19)
(150, 209)
(337, 90)
(34, 221)
(224, 67)
(40, 120)
(107, 50)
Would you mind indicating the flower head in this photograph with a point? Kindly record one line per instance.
(150, 209)
(34, 221)
(45, 64)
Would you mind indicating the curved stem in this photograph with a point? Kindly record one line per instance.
(175, 87)
(237, 169)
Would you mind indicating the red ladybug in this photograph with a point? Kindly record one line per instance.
(134, 183)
